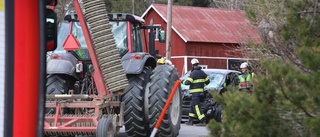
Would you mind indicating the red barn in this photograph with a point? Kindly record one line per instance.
(211, 35)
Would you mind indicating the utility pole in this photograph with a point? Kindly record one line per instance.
(168, 36)
(133, 7)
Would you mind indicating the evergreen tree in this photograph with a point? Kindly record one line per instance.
(126, 6)
(195, 3)
(183, 2)
(201, 3)
(108, 4)
(285, 100)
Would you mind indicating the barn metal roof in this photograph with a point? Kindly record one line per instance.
(198, 24)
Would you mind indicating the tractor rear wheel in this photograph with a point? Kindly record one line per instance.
(134, 116)
(56, 84)
(161, 84)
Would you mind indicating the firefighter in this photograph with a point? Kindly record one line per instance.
(161, 61)
(245, 78)
(197, 81)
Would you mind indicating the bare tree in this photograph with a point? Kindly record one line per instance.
(62, 8)
(272, 22)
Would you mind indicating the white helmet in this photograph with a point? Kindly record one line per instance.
(244, 65)
(168, 62)
(194, 61)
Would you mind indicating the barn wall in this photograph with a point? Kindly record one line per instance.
(212, 50)
(178, 63)
(178, 47)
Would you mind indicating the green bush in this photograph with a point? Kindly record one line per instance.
(286, 99)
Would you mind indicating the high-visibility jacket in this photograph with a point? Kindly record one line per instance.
(197, 80)
(244, 80)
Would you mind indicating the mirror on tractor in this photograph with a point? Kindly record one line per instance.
(51, 30)
(162, 36)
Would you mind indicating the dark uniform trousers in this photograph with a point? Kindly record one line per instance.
(195, 108)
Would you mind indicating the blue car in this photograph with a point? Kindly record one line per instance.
(219, 79)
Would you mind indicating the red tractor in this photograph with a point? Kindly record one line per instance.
(100, 77)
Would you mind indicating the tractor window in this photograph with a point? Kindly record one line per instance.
(136, 38)
(77, 32)
(119, 30)
(62, 35)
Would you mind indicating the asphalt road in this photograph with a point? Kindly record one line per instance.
(185, 131)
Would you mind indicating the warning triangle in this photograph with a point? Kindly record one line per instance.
(71, 43)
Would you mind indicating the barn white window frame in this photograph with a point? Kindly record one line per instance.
(156, 38)
(185, 59)
(203, 66)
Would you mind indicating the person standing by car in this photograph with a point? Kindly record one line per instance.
(245, 78)
(197, 81)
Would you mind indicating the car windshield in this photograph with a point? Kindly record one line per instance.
(216, 79)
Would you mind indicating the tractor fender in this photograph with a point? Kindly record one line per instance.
(133, 64)
(60, 66)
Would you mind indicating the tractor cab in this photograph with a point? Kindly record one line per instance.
(72, 57)
(126, 28)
